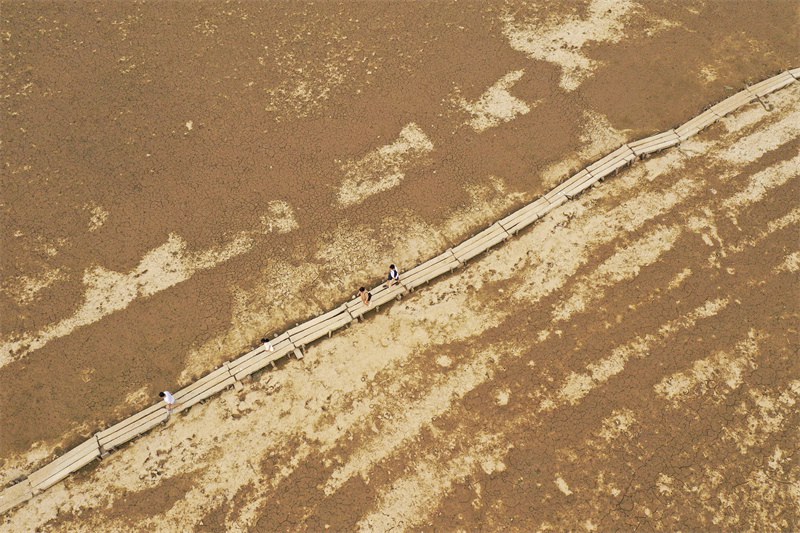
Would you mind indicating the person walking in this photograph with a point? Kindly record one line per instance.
(268, 345)
(366, 297)
(393, 278)
(169, 399)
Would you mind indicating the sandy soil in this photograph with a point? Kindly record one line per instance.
(628, 363)
(177, 183)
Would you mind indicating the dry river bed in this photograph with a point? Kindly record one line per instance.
(630, 362)
(177, 182)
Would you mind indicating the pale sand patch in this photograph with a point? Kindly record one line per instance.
(560, 40)
(765, 410)
(444, 361)
(25, 289)
(664, 484)
(496, 105)
(562, 485)
(785, 130)
(502, 397)
(97, 216)
(709, 73)
(790, 264)
(577, 386)
(719, 369)
(384, 168)
(705, 226)
(624, 265)
(280, 217)
(615, 425)
(138, 395)
(679, 278)
(491, 464)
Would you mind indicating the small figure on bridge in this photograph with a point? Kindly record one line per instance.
(268, 345)
(394, 277)
(169, 399)
(365, 296)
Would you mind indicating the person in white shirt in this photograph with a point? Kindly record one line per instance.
(169, 399)
(394, 277)
(268, 345)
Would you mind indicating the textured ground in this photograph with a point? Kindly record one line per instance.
(629, 363)
(176, 183)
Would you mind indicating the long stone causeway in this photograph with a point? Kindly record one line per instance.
(294, 341)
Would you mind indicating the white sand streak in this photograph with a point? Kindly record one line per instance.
(790, 264)
(573, 245)
(624, 265)
(171, 263)
(496, 105)
(717, 369)
(760, 183)
(384, 168)
(562, 485)
(746, 149)
(577, 386)
(560, 41)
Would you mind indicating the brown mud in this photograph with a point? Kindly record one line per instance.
(172, 189)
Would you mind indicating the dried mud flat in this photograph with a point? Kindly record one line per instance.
(629, 362)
